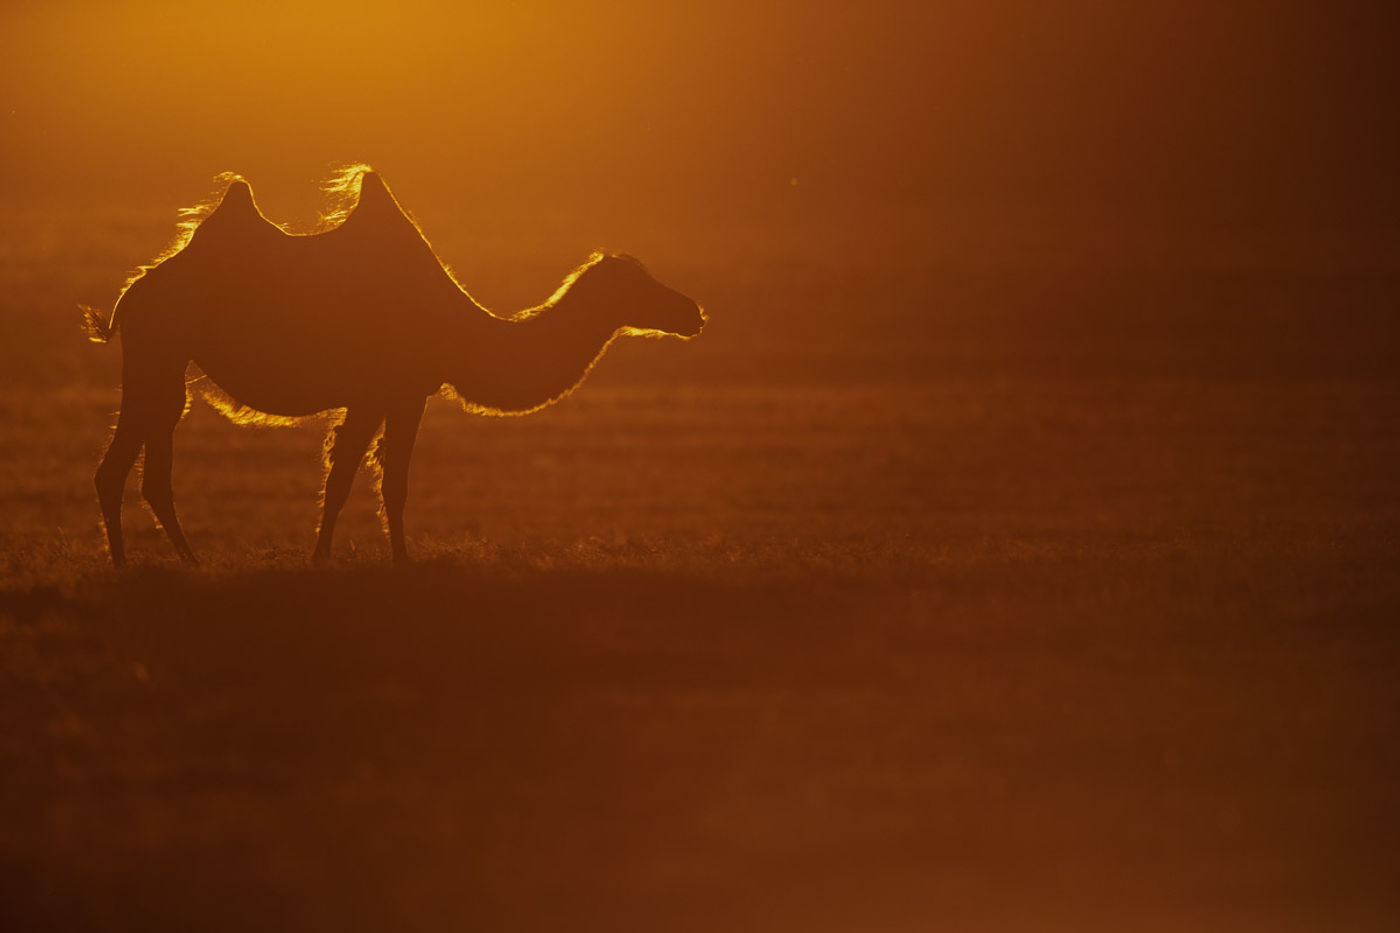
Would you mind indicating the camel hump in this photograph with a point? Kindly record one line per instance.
(378, 213)
(239, 191)
(374, 194)
(236, 210)
(238, 200)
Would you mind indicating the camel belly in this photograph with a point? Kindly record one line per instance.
(277, 397)
(294, 381)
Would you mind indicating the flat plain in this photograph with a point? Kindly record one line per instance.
(925, 599)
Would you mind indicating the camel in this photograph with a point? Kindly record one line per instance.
(360, 318)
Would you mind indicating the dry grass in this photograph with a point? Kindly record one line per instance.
(1040, 615)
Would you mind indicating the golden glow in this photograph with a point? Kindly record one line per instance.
(189, 220)
(96, 324)
(235, 411)
(652, 333)
(343, 188)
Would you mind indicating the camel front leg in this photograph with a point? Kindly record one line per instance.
(111, 481)
(345, 448)
(394, 453)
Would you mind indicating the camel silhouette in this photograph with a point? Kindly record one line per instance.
(360, 317)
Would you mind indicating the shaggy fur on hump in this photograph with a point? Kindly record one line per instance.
(342, 188)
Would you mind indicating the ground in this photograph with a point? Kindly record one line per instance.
(938, 599)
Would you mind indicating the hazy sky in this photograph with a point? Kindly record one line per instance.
(890, 127)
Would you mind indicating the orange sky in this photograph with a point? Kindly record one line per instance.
(909, 129)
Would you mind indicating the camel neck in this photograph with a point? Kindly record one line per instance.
(516, 366)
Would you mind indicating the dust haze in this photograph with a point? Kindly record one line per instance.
(1014, 550)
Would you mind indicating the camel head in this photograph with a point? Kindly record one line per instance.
(641, 305)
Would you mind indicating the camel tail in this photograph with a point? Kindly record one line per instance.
(96, 325)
